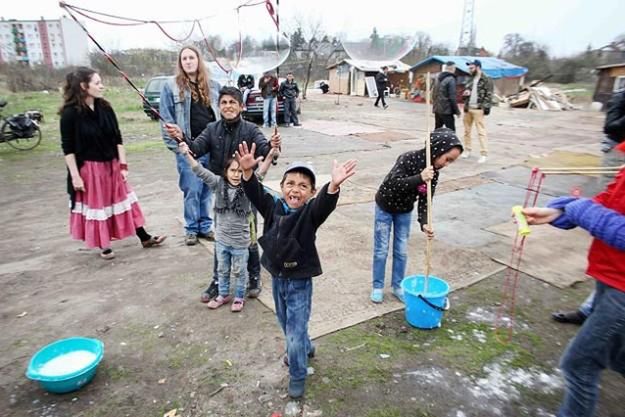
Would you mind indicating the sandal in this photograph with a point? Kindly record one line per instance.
(107, 254)
(153, 241)
(237, 305)
(219, 301)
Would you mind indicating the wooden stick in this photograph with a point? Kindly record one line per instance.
(428, 162)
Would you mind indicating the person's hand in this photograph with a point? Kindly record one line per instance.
(427, 174)
(245, 157)
(541, 215)
(78, 183)
(429, 232)
(276, 140)
(183, 148)
(124, 174)
(341, 172)
(466, 93)
(486, 111)
(173, 131)
(266, 164)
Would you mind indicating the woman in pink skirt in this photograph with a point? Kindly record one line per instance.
(103, 206)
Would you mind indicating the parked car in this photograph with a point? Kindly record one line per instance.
(152, 93)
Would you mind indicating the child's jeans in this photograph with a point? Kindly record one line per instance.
(293, 299)
(231, 262)
(381, 237)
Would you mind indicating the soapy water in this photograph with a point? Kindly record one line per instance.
(68, 363)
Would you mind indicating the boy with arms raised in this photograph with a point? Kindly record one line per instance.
(289, 251)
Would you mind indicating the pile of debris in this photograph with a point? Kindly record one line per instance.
(541, 97)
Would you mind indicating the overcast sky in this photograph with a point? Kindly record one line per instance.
(565, 26)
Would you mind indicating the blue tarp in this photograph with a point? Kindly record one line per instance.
(493, 67)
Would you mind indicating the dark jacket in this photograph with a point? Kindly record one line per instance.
(268, 88)
(484, 93)
(288, 239)
(403, 185)
(246, 81)
(289, 89)
(221, 139)
(381, 80)
(614, 126)
(604, 218)
(444, 94)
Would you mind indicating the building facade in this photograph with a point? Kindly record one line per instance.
(53, 43)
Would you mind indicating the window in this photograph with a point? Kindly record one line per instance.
(619, 83)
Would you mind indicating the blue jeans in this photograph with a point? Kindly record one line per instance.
(381, 237)
(232, 263)
(290, 111)
(293, 299)
(269, 111)
(586, 307)
(197, 197)
(599, 344)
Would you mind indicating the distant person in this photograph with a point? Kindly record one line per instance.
(220, 140)
(290, 91)
(404, 185)
(190, 100)
(478, 95)
(245, 84)
(444, 101)
(324, 87)
(600, 342)
(269, 90)
(613, 148)
(381, 82)
(103, 206)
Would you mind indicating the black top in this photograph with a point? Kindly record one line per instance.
(288, 239)
(403, 185)
(92, 135)
(201, 115)
(614, 126)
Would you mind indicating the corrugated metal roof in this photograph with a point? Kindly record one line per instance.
(368, 66)
(493, 67)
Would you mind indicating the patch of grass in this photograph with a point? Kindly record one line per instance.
(186, 356)
(397, 412)
(116, 373)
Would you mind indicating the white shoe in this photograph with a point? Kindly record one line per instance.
(466, 154)
(481, 160)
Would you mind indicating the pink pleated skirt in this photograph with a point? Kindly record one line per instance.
(107, 210)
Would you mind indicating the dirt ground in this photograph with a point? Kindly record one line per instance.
(164, 350)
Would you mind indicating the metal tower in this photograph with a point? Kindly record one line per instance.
(467, 31)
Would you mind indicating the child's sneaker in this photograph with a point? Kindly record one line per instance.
(237, 305)
(297, 388)
(399, 293)
(377, 295)
(219, 301)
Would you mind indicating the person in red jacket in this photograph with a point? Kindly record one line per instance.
(600, 343)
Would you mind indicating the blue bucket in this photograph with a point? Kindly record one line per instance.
(91, 352)
(425, 311)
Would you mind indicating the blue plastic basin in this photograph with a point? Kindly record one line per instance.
(71, 381)
(424, 310)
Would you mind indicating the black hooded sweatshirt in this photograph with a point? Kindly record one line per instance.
(403, 185)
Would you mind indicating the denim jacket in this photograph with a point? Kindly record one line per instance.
(175, 110)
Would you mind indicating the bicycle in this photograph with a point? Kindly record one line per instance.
(20, 131)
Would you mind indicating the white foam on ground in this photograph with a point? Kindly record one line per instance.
(67, 363)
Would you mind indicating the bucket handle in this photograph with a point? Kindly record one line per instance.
(434, 306)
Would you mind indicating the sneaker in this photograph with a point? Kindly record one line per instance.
(482, 159)
(385, 106)
(377, 295)
(573, 317)
(237, 305)
(375, 105)
(190, 239)
(297, 388)
(297, 124)
(211, 292)
(399, 294)
(254, 287)
(210, 235)
(219, 301)
(466, 154)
